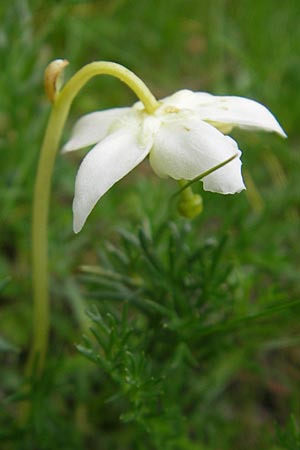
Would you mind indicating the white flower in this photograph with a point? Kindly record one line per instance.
(184, 137)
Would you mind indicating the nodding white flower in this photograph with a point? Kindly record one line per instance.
(184, 137)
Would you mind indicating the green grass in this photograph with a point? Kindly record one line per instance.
(195, 341)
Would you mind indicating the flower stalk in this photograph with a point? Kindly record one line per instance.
(62, 101)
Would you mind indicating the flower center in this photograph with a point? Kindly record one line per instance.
(171, 109)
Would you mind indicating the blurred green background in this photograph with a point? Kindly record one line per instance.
(246, 48)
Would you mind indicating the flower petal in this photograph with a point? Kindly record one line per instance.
(104, 165)
(222, 111)
(226, 180)
(186, 99)
(184, 149)
(93, 127)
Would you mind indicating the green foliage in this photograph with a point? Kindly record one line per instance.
(169, 312)
(195, 326)
(289, 438)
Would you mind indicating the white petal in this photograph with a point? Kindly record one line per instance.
(241, 112)
(187, 148)
(227, 110)
(93, 127)
(186, 99)
(226, 180)
(104, 165)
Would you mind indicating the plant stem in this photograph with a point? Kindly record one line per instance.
(59, 113)
(74, 85)
(40, 239)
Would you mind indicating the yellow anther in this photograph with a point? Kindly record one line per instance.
(171, 109)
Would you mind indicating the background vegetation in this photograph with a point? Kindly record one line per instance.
(196, 325)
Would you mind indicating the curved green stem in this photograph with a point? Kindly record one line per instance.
(40, 240)
(59, 113)
(87, 72)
